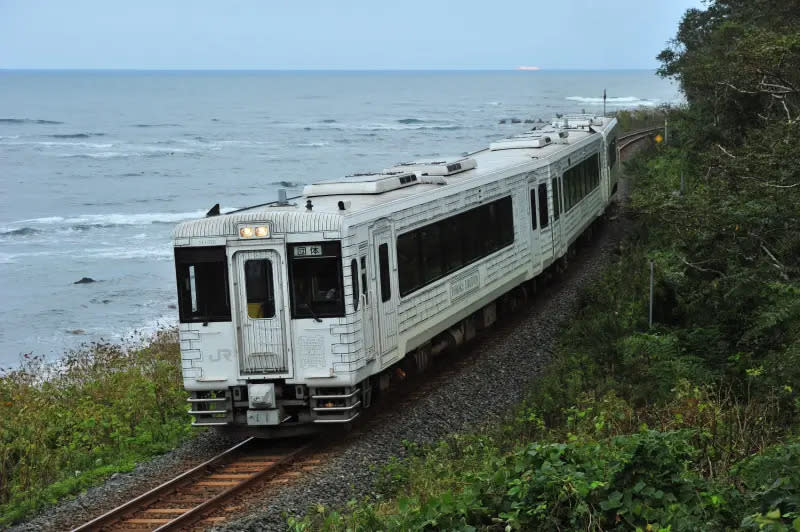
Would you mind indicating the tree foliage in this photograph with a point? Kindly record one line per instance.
(736, 62)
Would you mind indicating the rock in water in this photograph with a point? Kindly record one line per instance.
(85, 280)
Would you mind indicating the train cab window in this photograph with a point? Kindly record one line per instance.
(202, 275)
(556, 200)
(533, 209)
(315, 280)
(259, 289)
(354, 282)
(383, 266)
(543, 215)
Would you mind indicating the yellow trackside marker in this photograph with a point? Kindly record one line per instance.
(659, 138)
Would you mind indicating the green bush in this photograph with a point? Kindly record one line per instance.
(68, 425)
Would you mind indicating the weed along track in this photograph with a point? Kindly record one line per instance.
(206, 495)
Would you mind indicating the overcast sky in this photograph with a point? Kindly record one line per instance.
(336, 34)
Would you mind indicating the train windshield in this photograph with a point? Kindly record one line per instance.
(315, 278)
(202, 274)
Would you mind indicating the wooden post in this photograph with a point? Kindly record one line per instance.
(651, 294)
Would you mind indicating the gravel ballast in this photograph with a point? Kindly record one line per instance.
(121, 487)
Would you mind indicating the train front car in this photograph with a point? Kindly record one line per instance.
(256, 288)
(290, 313)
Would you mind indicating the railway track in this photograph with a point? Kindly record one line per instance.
(204, 495)
(632, 137)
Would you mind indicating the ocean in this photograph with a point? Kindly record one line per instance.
(96, 167)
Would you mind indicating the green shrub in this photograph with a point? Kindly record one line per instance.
(66, 426)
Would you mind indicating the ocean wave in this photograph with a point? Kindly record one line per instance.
(156, 125)
(618, 101)
(407, 127)
(286, 184)
(28, 121)
(143, 151)
(100, 155)
(21, 231)
(84, 222)
(76, 135)
(127, 253)
(321, 144)
(95, 145)
(403, 124)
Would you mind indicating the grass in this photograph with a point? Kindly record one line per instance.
(66, 426)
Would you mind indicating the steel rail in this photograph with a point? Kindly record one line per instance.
(636, 132)
(153, 495)
(198, 512)
(633, 138)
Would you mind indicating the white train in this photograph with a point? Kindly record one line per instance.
(294, 311)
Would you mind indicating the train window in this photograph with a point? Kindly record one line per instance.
(431, 252)
(556, 199)
(354, 282)
(470, 227)
(451, 244)
(543, 215)
(259, 289)
(364, 286)
(570, 188)
(315, 280)
(583, 180)
(383, 266)
(202, 275)
(612, 153)
(410, 275)
(505, 222)
(533, 208)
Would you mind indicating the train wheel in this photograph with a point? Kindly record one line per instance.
(422, 357)
(366, 393)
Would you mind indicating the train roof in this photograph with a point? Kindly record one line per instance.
(333, 199)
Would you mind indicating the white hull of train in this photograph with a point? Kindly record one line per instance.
(291, 313)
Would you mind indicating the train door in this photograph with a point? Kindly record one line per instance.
(261, 313)
(385, 300)
(367, 302)
(556, 193)
(540, 212)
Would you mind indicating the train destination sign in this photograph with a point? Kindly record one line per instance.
(308, 251)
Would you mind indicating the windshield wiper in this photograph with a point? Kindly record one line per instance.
(311, 311)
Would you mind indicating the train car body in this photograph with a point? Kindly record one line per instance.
(292, 312)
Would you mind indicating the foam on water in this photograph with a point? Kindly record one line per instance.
(619, 101)
(83, 222)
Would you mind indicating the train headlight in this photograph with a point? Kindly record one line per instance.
(257, 231)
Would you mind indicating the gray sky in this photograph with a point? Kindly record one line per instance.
(343, 34)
